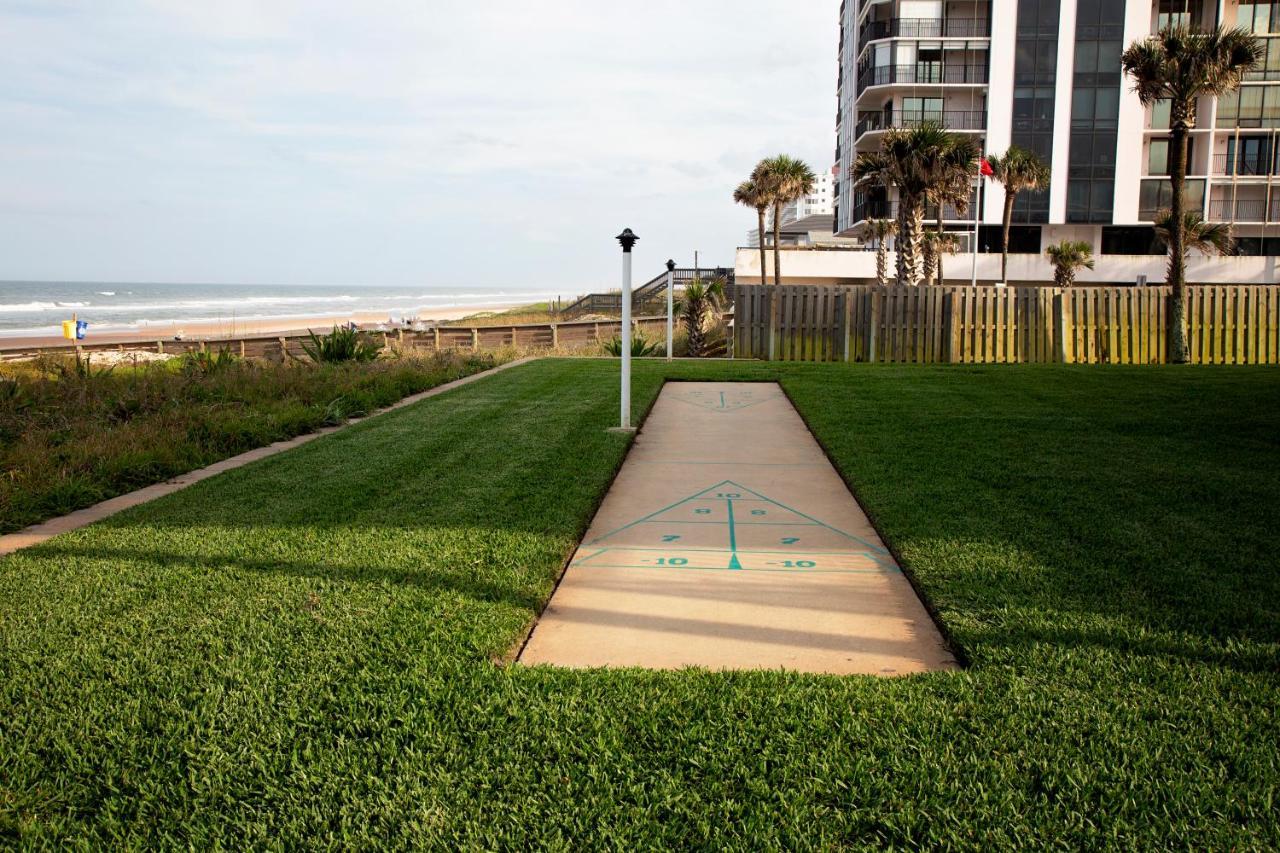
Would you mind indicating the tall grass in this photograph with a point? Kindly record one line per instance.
(73, 435)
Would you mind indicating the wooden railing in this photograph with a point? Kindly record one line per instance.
(278, 347)
(971, 325)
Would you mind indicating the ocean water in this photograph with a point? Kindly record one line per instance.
(36, 308)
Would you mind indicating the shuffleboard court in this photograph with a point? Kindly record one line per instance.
(728, 541)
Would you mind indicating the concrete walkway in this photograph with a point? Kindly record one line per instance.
(729, 542)
(38, 533)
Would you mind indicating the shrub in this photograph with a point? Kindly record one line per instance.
(342, 344)
(70, 437)
(641, 347)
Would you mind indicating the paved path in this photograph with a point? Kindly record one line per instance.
(728, 541)
(46, 530)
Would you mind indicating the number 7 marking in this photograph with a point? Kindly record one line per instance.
(791, 540)
(670, 538)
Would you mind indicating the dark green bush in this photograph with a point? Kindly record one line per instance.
(72, 435)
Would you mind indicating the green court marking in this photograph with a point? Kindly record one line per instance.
(704, 400)
(807, 555)
(740, 494)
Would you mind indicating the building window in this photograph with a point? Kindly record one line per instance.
(1177, 13)
(1158, 156)
(1129, 240)
(1260, 18)
(1250, 106)
(1035, 76)
(1095, 107)
(1157, 195)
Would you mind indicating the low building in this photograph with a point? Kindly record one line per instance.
(849, 265)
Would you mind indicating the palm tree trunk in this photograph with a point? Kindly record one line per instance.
(1177, 238)
(763, 254)
(910, 234)
(882, 262)
(693, 322)
(1009, 197)
(775, 299)
(777, 236)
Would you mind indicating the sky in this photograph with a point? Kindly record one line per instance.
(406, 142)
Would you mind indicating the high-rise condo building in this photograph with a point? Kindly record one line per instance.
(1045, 75)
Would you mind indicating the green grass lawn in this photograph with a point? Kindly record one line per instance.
(304, 651)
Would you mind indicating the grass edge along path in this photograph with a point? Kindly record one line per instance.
(298, 651)
(45, 530)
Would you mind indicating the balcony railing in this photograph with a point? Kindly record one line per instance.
(928, 28)
(950, 119)
(1244, 210)
(922, 73)
(881, 209)
(1244, 165)
(1262, 74)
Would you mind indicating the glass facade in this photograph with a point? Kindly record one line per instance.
(1095, 109)
(1035, 70)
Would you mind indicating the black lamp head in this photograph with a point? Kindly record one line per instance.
(627, 239)
(671, 266)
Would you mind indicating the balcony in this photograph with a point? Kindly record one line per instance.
(922, 73)
(929, 28)
(876, 120)
(882, 209)
(1243, 166)
(1261, 75)
(1244, 210)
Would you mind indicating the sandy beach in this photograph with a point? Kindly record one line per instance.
(220, 330)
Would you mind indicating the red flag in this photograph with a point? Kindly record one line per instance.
(984, 168)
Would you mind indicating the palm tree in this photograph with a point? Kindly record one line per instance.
(784, 179)
(1207, 238)
(928, 165)
(1017, 169)
(1068, 258)
(1180, 64)
(753, 195)
(697, 306)
(941, 243)
(881, 230)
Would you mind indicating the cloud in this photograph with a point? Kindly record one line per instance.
(278, 127)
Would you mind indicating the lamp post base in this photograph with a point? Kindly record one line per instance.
(628, 430)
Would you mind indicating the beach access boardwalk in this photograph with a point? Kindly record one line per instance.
(728, 541)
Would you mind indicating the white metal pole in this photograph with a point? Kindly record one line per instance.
(671, 304)
(627, 239)
(977, 205)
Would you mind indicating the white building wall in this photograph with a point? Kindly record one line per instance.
(1132, 119)
(1062, 112)
(1004, 18)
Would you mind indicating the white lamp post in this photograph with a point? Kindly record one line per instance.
(627, 239)
(671, 304)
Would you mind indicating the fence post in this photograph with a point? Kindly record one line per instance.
(284, 349)
(436, 337)
(775, 310)
(1059, 329)
(555, 336)
(873, 330)
(160, 347)
(242, 349)
(475, 340)
(846, 315)
(951, 326)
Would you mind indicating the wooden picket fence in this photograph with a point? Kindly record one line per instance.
(984, 325)
(567, 335)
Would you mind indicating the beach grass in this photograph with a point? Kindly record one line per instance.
(533, 313)
(312, 650)
(72, 435)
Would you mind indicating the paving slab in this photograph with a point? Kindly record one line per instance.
(728, 541)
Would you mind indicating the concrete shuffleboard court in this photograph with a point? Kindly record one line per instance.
(728, 541)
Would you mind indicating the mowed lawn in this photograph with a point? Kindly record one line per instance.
(311, 651)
